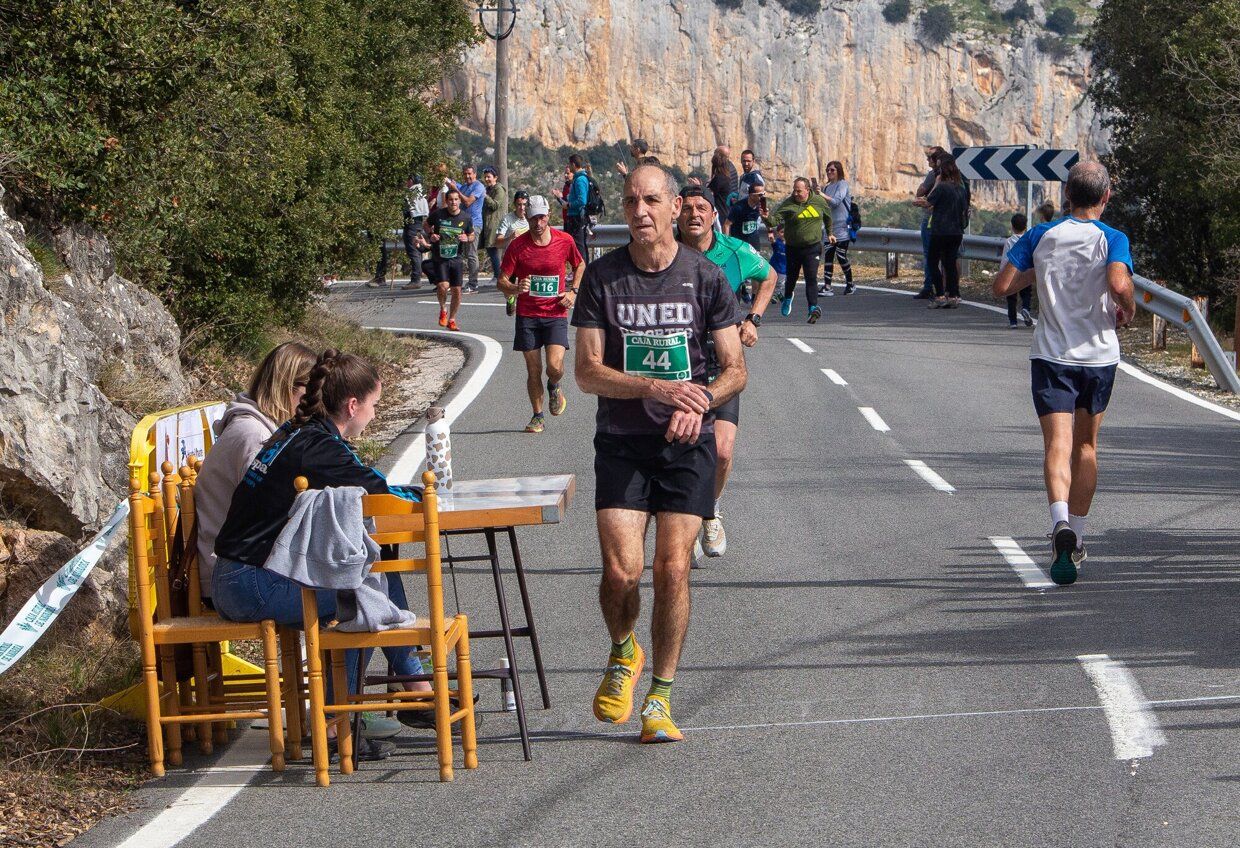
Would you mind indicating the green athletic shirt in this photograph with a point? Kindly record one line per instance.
(738, 261)
(803, 223)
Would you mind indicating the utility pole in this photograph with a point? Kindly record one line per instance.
(503, 17)
(501, 100)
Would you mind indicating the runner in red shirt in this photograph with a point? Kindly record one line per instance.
(533, 269)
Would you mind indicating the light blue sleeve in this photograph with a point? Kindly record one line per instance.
(1117, 246)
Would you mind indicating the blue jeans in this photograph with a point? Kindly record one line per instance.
(928, 283)
(243, 592)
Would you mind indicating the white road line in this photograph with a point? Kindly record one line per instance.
(463, 303)
(802, 346)
(834, 377)
(1128, 369)
(408, 465)
(217, 786)
(876, 420)
(928, 474)
(1133, 371)
(1134, 727)
(1022, 564)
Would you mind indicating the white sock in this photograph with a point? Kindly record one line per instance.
(1059, 512)
(1077, 523)
(717, 502)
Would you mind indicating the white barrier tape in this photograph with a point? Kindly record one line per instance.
(45, 605)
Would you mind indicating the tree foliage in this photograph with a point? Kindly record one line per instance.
(1018, 12)
(1062, 21)
(897, 11)
(230, 150)
(1167, 94)
(805, 8)
(937, 23)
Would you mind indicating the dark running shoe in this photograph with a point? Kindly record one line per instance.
(368, 750)
(1063, 543)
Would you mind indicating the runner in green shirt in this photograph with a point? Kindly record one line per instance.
(740, 263)
(803, 217)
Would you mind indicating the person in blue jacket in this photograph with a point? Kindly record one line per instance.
(575, 222)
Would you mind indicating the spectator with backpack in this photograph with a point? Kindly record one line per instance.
(841, 235)
(584, 200)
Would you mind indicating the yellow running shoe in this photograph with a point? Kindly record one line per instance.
(613, 701)
(657, 724)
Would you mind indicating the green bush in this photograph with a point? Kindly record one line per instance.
(937, 23)
(729, 4)
(897, 11)
(1055, 46)
(806, 8)
(1018, 12)
(1062, 21)
(230, 150)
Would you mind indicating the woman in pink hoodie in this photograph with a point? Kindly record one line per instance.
(251, 418)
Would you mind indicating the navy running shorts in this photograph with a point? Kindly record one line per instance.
(647, 474)
(535, 333)
(1066, 388)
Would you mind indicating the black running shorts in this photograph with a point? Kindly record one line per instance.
(450, 270)
(536, 333)
(730, 411)
(647, 474)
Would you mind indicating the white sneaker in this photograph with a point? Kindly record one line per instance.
(698, 554)
(714, 540)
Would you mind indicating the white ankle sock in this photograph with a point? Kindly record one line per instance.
(1077, 523)
(717, 502)
(1059, 512)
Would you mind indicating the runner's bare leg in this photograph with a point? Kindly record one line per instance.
(622, 538)
(533, 378)
(673, 548)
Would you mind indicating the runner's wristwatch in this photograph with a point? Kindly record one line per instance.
(754, 318)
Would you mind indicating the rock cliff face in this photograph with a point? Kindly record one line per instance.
(845, 84)
(63, 444)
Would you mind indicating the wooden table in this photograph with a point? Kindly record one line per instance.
(488, 507)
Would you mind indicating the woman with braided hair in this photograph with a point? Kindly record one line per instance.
(341, 394)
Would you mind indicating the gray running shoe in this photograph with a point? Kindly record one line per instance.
(1079, 555)
(1026, 317)
(1063, 543)
(714, 541)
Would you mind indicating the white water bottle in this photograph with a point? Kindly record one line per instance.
(439, 448)
(505, 688)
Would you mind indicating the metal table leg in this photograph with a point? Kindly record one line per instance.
(493, 550)
(529, 618)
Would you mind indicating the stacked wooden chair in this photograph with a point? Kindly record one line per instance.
(161, 520)
(404, 523)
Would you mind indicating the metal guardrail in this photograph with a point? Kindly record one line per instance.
(1175, 308)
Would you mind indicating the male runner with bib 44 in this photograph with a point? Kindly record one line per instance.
(645, 313)
(533, 270)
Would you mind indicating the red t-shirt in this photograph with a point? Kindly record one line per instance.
(545, 266)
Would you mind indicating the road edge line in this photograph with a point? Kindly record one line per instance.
(1127, 368)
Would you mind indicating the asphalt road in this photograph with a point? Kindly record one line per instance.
(864, 667)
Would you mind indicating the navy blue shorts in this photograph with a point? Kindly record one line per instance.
(535, 333)
(1067, 388)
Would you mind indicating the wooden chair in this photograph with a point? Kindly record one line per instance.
(150, 518)
(420, 524)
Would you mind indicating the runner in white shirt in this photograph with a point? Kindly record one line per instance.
(1083, 271)
(513, 225)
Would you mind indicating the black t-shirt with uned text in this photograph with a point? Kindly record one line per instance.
(643, 315)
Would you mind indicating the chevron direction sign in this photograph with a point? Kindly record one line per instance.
(1014, 163)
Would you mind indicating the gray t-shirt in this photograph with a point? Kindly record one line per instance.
(840, 196)
(655, 325)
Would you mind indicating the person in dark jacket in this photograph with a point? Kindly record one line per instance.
(340, 399)
(949, 205)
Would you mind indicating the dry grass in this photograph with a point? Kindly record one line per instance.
(67, 763)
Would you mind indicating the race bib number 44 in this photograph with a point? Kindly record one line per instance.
(657, 357)
(542, 286)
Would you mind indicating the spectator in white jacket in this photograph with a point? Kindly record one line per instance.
(251, 418)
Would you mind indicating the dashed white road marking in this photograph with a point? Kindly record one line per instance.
(834, 377)
(1134, 727)
(1028, 571)
(929, 475)
(876, 420)
(801, 346)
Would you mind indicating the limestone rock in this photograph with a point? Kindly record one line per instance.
(689, 74)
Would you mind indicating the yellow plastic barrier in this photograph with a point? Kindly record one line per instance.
(171, 434)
